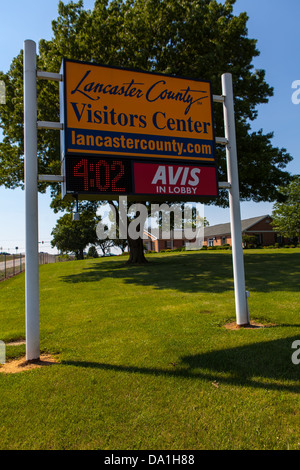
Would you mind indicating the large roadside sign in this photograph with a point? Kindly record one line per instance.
(136, 133)
(154, 136)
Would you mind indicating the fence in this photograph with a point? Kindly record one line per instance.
(11, 265)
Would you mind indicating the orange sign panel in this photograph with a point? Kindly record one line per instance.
(135, 114)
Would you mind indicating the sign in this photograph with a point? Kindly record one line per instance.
(92, 175)
(135, 133)
(175, 180)
(31, 179)
(98, 175)
(110, 111)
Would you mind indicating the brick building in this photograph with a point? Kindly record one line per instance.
(217, 235)
(153, 243)
(259, 227)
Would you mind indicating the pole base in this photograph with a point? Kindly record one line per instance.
(33, 361)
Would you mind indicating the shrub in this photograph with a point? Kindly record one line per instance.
(65, 258)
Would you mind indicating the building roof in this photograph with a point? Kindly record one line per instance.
(224, 229)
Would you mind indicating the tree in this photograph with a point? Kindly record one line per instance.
(105, 245)
(286, 215)
(135, 220)
(191, 38)
(74, 236)
(249, 240)
(93, 253)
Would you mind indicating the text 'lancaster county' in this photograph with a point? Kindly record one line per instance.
(156, 92)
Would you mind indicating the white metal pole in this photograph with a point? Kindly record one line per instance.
(241, 299)
(31, 203)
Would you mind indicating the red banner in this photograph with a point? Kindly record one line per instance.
(175, 180)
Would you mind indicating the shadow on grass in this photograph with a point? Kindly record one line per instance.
(200, 272)
(266, 365)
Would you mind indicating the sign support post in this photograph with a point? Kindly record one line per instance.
(31, 203)
(241, 299)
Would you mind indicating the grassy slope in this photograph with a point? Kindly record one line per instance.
(145, 362)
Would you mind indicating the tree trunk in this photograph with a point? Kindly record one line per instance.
(79, 254)
(136, 247)
(136, 252)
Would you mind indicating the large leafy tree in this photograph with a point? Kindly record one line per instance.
(74, 236)
(191, 38)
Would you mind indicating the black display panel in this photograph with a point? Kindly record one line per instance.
(98, 175)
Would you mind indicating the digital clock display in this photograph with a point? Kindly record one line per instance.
(95, 177)
(98, 175)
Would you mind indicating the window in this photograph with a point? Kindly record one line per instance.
(259, 237)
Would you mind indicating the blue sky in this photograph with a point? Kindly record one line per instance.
(275, 25)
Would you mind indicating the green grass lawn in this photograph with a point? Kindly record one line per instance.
(145, 361)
